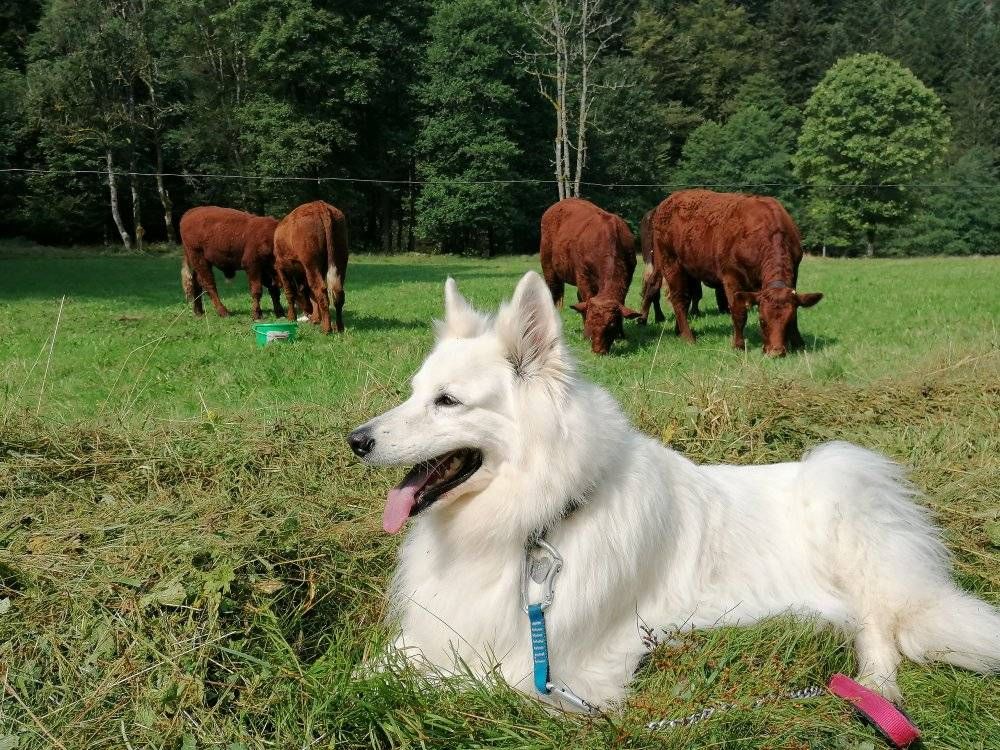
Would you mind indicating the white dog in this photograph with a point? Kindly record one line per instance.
(509, 444)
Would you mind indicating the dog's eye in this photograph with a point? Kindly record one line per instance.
(446, 399)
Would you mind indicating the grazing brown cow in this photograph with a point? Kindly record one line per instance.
(746, 244)
(228, 240)
(652, 281)
(310, 249)
(593, 250)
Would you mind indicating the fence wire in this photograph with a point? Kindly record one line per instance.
(526, 181)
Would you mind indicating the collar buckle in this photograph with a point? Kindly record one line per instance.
(542, 563)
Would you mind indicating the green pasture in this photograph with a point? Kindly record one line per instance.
(190, 558)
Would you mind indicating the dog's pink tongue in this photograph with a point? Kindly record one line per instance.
(398, 505)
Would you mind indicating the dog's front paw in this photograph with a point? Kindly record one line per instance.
(883, 685)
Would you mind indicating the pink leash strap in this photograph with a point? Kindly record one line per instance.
(889, 720)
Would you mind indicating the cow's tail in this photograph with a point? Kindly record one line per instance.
(336, 245)
(187, 280)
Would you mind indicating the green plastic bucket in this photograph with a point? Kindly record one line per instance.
(270, 333)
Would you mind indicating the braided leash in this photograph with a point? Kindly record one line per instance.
(813, 691)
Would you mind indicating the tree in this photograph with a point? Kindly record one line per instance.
(571, 36)
(751, 151)
(960, 215)
(695, 58)
(81, 87)
(798, 32)
(870, 128)
(470, 134)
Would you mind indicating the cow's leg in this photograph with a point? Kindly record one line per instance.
(694, 293)
(305, 302)
(650, 296)
(720, 299)
(556, 288)
(321, 303)
(738, 311)
(795, 340)
(256, 290)
(677, 285)
(206, 279)
(275, 291)
(286, 283)
(657, 310)
(197, 304)
(336, 278)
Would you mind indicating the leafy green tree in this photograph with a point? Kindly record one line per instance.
(962, 217)
(695, 58)
(872, 125)
(626, 139)
(474, 101)
(750, 152)
(799, 42)
(80, 82)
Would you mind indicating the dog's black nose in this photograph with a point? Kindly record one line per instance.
(361, 442)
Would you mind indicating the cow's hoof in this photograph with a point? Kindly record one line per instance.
(223, 313)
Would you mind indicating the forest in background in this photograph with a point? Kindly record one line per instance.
(445, 125)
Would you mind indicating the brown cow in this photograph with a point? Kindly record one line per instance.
(228, 240)
(746, 244)
(310, 249)
(652, 281)
(593, 250)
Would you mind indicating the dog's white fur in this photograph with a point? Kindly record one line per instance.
(655, 538)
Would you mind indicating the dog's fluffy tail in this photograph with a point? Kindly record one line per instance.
(955, 627)
(891, 558)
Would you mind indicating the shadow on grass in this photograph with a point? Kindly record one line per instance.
(717, 326)
(155, 280)
(362, 275)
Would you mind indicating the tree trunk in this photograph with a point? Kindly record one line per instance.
(563, 117)
(397, 212)
(558, 144)
(488, 249)
(140, 231)
(115, 213)
(387, 212)
(581, 123)
(411, 240)
(168, 207)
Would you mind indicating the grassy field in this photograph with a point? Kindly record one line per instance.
(190, 558)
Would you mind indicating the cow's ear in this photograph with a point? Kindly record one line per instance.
(580, 307)
(749, 299)
(629, 313)
(461, 320)
(530, 330)
(808, 299)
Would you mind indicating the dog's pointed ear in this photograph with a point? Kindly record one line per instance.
(530, 329)
(460, 318)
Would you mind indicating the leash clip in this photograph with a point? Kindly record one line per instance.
(542, 564)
